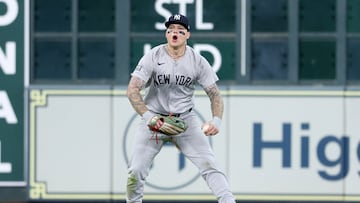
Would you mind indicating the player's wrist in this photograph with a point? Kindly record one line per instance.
(217, 122)
(147, 116)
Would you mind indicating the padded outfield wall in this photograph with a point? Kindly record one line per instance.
(294, 144)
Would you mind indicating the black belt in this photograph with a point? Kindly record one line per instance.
(177, 114)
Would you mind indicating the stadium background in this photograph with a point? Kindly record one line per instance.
(290, 75)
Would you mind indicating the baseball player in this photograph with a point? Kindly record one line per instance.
(169, 72)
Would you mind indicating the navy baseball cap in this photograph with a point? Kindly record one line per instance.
(178, 19)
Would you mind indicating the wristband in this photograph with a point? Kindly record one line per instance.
(147, 116)
(217, 121)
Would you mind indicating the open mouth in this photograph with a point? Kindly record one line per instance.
(174, 37)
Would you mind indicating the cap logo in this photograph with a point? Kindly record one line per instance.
(177, 17)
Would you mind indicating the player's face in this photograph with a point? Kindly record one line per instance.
(177, 35)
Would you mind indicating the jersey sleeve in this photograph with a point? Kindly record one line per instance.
(143, 70)
(207, 75)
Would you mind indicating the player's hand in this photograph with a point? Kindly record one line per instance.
(148, 116)
(209, 129)
(159, 123)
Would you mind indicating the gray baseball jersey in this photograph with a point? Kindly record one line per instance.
(170, 86)
(171, 83)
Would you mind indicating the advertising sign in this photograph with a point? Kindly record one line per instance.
(273, 145)
(12, 74)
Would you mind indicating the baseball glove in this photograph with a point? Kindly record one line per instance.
(168, 125)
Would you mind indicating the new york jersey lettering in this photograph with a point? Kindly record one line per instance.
(161, 79)
(183, 80)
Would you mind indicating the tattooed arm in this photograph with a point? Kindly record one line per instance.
(217, 109)
(217, 105)
(134, 96)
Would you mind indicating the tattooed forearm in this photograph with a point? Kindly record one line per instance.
(217, 105)
(134, 96)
